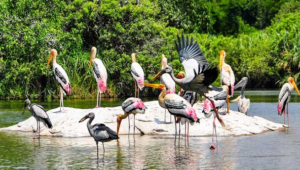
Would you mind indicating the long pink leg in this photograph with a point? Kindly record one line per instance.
(212, 147)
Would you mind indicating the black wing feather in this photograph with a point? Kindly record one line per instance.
(102, 127)
(96, 70)
(60, 75)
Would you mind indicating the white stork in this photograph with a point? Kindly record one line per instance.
(138, 74)
(285, 96)
(100, 74)
(60, 76)
(227, 75)
(130, 106)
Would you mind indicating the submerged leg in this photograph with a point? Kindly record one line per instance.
(179, 129)
(103, 147)
(39, 129)
(284, 116)
(134, 125)
(128, 125)
(287, 113)
(212, 147)
(97, 149)
(175, 129)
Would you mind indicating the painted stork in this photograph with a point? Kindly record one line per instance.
(199, 74)
(130, 106)
(227, 75)
(100, 74)
(285, 96)
(99, 132)
(219, 99)
(243, 102)
(176, 105)
(166, 80)
(40, 115)
(60, 76)
(138, 74)
(190, 96)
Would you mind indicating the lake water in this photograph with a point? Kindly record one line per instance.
(271, 150)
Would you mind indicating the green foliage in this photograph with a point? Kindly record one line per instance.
(259, 44)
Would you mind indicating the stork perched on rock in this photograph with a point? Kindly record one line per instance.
(227, 75)
(138, 74)
(40, 114)
(61, 77)
(100, 74)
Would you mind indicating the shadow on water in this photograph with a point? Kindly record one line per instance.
(272, 150)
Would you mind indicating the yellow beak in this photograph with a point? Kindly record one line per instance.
(221, 60)
(157, 76)
(156, 86)
(295, 86)
(49, 60)
(91, 58)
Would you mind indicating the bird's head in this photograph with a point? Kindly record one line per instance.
(53, 53)
(292, 82)
(133, 57)
(90, 115)
(181, 75)
(222, 57)
(164, 61)
(26, 103)
(93, 55)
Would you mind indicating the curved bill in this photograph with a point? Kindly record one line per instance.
(49, 60)
(157, 76)
(83, 119)
(156, 86)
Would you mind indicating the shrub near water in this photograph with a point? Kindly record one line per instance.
(29, 29)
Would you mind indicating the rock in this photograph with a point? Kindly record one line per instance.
(66, 124)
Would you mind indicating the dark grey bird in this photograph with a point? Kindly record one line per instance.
(39, 113)
(243, 102)
(137, 2)
(98, 2)
(99, 132)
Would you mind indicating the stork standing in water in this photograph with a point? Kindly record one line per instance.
(60, 76)
(219, 99)
(227, 75)
(199, 74)
(243, 102)
(99, 132)
(166, 80)
(39, 113)
(138, 74)
(100, 74)
(176, 105)
(130, 106)
(285, 96)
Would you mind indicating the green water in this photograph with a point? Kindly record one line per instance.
(272, 150)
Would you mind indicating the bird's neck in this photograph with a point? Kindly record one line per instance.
(89, 126)
(177, 81)
(162, 95)
(54, 60)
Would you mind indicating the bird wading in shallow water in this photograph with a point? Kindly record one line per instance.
(99, 132)
(243, 102)
(166, 80)
(100, 74)
(138, 74)
(219, 100)
(130, 106)
(60, 76)
(40, 115)
(227, 75)
(285, 96)
(176, 105)
(199, 74)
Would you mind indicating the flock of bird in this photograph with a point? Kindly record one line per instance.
(196, 79)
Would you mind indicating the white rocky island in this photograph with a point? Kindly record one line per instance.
(151, 123)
